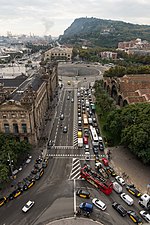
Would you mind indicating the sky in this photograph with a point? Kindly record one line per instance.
(52, 17)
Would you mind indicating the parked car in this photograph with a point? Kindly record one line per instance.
(145, 215)
(126, 198)
(83, 194)
(2, 201)
(86, 207)
(120, 180)
(134, 217)
(120, 209)
(28, 206)
(22, 186)
(99, 204)
(132, 189)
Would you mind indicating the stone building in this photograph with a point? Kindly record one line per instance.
(59, 53)
(129, 89)
(22, 112)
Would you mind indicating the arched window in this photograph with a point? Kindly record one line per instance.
(15, 128)
(24, 127)
(6, 128)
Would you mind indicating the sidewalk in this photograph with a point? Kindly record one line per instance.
(40, 150)
(124, 161)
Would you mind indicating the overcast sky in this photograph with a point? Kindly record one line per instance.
(52, 17)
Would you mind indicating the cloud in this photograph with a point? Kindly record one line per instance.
(53, 17)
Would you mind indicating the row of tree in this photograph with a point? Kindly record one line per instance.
(119, 71)
(11, 150)
(129, 126)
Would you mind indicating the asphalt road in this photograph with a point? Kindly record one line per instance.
(54, 192)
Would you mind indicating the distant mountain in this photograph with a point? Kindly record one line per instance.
(104, 33)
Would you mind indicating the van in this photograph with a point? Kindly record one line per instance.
(126, 198)
(117, 187)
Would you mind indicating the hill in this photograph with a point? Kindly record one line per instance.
(104, 33)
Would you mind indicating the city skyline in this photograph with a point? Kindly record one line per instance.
(52, 18)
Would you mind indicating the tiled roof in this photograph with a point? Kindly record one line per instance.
(15, 82)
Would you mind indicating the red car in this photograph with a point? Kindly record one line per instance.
(85, 140)
(105, 161)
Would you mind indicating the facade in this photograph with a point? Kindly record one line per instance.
(22, 112)
(59, 53)
(136, 46)
(108, 55)
(129, 89)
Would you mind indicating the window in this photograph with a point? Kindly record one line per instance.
(6, 128)
(15, 128)
(24, 128)
(26, 139)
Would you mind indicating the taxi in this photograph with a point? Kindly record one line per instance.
(16, 193)
(134, 217)
(79, 134)
(2, 201)
(83, 194)
(132, 189)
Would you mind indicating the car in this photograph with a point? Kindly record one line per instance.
(50, 143)
(134, 217)
(28, 206)
(22, 186)
(120, 180)
(44, 164)
(38, 160)
(2, 201)
(85, 140)
(83, 194)
(72, 100)
(101, 147)
(105, 161)
(29, 183)
(68, 97)
(79, 123)
(39, 174)
(86, 207)
(79, 118)
(28, 161)
(126, 198)
(119, 208)
(16, 193)
(111, 171)
(95, 125)
(95, 150)
(145, 215)
(94, 120)
(65, 129)
(99, 204)
(86, 133)
(132, 189)
(86, 148)
(35, 170)
(61, 116)
(117, 187)
(79, 114)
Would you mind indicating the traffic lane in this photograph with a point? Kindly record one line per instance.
(110, 215)
(51, 186)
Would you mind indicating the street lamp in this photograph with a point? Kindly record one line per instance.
(11, 165)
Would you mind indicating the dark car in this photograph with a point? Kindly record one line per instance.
(132, 189)
(22, 186)
(44, 164)
(101, 147)
(95, 150)
(83, 194)
(111, 171)
(38, 160)
(120, 209)
(34, 170)
(65, 129)
(134, 217)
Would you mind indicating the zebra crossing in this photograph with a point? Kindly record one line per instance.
(66, 155)
(64, 147)
(76, 168)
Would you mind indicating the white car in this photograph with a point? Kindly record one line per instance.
(99, 204)
(126, 198)
(28, 206)
(120, 180)
(145, 215)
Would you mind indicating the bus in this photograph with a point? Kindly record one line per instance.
(85, 121)
(94, 136)
(98, 181)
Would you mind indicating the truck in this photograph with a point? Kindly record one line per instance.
(80, 142)
(145, 201)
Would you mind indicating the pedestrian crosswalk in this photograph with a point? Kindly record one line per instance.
(64, 147)
(76, 168)
(66, 155)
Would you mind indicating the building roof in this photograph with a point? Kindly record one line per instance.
(15, 82)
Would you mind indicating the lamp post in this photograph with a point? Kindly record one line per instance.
(11, 165)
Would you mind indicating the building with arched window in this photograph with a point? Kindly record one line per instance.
(22, 112)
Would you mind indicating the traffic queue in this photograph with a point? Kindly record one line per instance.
(103, 177)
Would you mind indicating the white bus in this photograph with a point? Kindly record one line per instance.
(94, 136)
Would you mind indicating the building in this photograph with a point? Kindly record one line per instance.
(136, 46)
(23, 109)
(59, 53)
(108, 55)
(129, 89)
